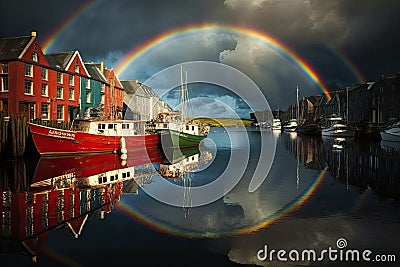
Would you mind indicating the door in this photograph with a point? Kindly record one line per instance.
(28, 109)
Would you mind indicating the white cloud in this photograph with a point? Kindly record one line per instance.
(246, 3)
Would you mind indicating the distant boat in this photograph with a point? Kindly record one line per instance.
(276, 125)
(92, 136)
(291, 125)
(336, 127)
(175, 129)
(392, 133)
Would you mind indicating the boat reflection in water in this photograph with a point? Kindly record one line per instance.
(310, 197)
(374, 166)
(179, 165)
(63, 192)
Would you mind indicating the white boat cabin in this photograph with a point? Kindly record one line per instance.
(109, 128)
(109, 177)
(177, 170)
(173, 121)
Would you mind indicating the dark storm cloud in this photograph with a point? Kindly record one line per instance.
(366, 32)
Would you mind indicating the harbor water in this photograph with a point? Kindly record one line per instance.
(314, 197)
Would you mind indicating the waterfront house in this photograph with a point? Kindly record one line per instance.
(32, 85)
(64, 94)
(92, 90)
(57, 86)
(141, 102)
(384, 99)
(113, 94)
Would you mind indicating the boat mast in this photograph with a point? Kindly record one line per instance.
(182, 91)
(297, 100)
(347, 104)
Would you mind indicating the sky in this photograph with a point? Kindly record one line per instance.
(343, 42)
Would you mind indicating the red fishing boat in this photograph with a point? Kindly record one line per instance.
(93, 136)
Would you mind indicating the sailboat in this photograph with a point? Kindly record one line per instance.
(292, 124)
(336, 126)
(305, 127)
(175, 129)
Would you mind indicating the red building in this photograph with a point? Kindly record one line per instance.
(113, 95)
(49, 86)
(32, 85)
(28, 216)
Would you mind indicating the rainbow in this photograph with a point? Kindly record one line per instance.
(62, 28)
(159, 226)
(349, 65)
(275, 44)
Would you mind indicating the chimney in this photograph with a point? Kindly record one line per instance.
(33, 33)
(102, 66)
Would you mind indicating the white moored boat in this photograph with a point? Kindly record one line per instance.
(276, 125)
(392, 133)
(336, 127)
(291, 125)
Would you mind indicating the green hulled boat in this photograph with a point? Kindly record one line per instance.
(175, 134)
(173, 138)
(175, 129)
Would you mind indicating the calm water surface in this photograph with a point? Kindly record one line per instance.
(312, 196)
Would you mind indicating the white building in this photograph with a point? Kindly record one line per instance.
(141, 102)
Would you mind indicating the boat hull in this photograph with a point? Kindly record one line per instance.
(50, 141)
(338, 132)
(310, 129)
(390, 137)
(172, 138)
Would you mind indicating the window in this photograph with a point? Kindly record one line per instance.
(59, 92)
(71, 94)
(76, 68)
(44, 74)
(88, 83)
(60, 112)
(28, 87)
(71, 79)
(45, 89)
(103, 86)
(34, 57)
(28, 69)
(4, 84)
(59, 77)
(102, 99)
(4, 67)
(45, 111)
(88, 95)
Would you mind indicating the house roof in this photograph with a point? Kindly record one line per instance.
(12, 48)
(95, 72)
(60, 60)
(135, 87)
(314, 99)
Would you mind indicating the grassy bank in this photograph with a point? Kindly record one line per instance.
(226, 122)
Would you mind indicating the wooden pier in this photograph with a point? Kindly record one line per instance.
(14, 133)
